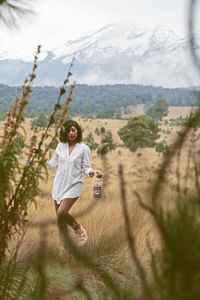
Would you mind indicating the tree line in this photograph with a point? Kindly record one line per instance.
(103, 101)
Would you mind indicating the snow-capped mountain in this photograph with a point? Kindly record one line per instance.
(117, 53)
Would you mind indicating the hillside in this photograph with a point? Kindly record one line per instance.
(122, 53)
(90, 100)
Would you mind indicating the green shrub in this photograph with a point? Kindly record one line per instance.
(97, 131)
(107, 144)
(41, 121)
(141, 131)
(89, 140)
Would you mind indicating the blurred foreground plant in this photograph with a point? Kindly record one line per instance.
(19, 181)
(11, 11)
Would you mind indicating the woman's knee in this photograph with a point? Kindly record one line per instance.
(61, 216)
(64, 218)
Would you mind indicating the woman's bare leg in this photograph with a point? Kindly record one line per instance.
(56, 206)
(63, 216)
(64, 219)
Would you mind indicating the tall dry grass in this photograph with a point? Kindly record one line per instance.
(107, 245)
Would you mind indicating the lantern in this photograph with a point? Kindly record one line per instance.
(97, 191)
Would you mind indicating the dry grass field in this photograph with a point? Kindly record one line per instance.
(173, 111)
(105, 223)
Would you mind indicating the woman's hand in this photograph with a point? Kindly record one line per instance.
(97, 173)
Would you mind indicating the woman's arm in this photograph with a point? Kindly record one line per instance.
(86, 163)
(86, 166)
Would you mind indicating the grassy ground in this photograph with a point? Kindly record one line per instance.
(107, 245)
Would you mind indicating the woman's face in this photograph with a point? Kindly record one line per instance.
(72, 134)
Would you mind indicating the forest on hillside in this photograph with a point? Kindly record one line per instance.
(92, 100)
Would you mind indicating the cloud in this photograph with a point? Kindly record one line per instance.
(70, 19)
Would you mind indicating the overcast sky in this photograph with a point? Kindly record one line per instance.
(71, 19)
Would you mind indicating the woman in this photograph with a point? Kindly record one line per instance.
(71, 159)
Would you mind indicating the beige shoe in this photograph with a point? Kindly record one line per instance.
(82, 236)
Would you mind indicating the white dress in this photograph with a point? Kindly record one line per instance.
(69, 180)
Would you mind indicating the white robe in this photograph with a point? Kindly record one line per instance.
(69, 180)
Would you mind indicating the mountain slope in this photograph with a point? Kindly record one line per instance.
(115, 54)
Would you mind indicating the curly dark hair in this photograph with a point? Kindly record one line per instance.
(65, 129)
